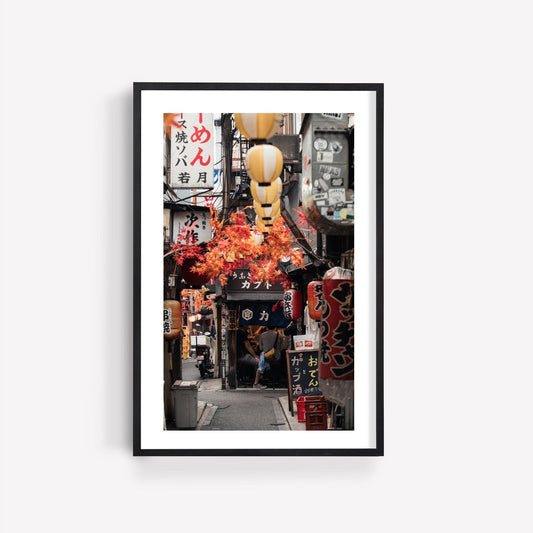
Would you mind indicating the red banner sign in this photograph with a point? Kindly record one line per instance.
(336, 361)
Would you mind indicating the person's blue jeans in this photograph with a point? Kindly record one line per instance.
(263, 363)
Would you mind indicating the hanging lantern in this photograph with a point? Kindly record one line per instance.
(268, 215)
(270, 220)
(267, 210)
(171, 319)
(258, 238)
(266, 194)
(264, 163)
(292, 304)
(314, 299)
(192, 278)
(258, 125)
(261, 225)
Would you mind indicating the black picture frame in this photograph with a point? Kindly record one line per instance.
(143, 88)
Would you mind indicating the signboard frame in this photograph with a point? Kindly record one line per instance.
(291, 355)
(151, 101)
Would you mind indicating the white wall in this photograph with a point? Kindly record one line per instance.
(458, 167)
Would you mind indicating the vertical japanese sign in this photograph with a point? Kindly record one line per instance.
(337, 330)
(303, 369)
(192, 142)
(167, 320)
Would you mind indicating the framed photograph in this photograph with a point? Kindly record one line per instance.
(258, 269)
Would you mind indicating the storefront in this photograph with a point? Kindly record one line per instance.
(252, 307)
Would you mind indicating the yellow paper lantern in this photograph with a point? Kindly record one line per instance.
(258, 125)
(266, 193)
(261, 225)
(264, 163)
(270, 220)
(267, 211)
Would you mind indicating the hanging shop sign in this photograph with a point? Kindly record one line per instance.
(192, 225)
(192, 142)
(240, 287)
(314, 299)
(258, 125)
(267, 314)
(327, 178)
(292, 304)
(337, 330)
(172, 320)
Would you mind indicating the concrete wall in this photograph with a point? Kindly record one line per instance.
(458, 168)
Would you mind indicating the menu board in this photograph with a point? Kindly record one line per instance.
(302, 367)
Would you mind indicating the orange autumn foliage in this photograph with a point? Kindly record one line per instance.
(236, 244)
(169, 120)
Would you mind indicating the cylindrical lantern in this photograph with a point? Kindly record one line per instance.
(292, 304)
(264, 163)
(261, 225)
(314, 299)
(192, 278)
(266, 194)
(268, 210)
(257, 238)
(258, 125)
(171, 319)
(270, 220)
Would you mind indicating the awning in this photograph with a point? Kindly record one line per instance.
(256, 296)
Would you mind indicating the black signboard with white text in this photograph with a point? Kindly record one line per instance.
(302, 366)
(240, 281)
(241, 287)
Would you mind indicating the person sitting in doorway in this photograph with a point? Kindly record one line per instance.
(246, 353)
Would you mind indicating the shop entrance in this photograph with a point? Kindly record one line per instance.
(252, 320)
(249, 336)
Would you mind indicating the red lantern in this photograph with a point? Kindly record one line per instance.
(192, 278)
(337, 323)
(292, 304)
(314, 299)
(171, 319)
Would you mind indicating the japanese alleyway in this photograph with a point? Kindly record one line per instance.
(239, 409)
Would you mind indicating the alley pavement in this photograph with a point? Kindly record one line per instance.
(240, 408)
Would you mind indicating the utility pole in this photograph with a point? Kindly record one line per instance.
(227, 159)
(227, 151)
(221, 371)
